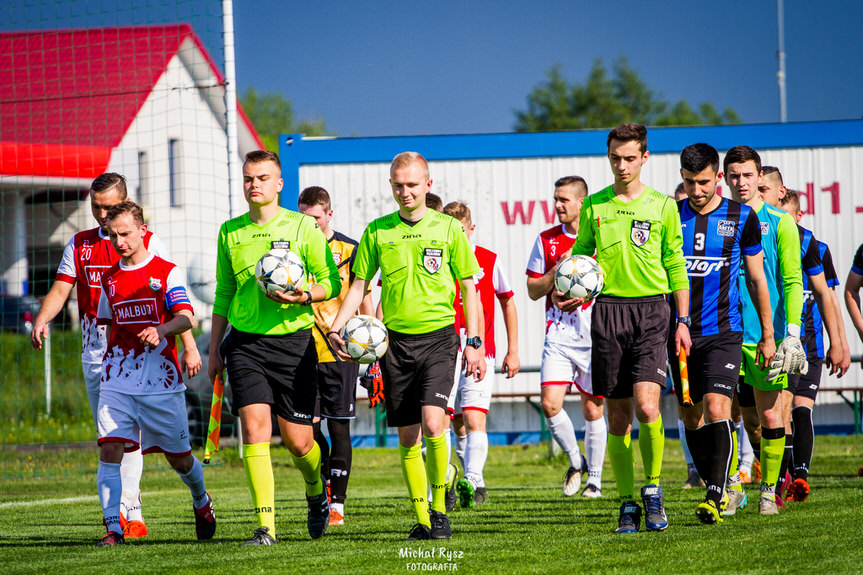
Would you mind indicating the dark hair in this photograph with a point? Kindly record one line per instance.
(315, 196)
(740, 154)
(109, 181)
(629, 132)
(258, 156)
(765, 170)
(126, 207)
(697, 157)
(434, 202)
(577, 181)
(791, 197)
(459, 211)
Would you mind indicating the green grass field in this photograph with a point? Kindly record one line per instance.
(51, 524)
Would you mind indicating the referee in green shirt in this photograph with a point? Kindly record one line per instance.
(421, 254)
(270, 352)
(636, 235)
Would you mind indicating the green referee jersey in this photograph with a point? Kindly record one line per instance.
(241, 245)
(638, 244)
(419, 265)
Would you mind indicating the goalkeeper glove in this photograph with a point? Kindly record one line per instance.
(373, 382)
(790, 358)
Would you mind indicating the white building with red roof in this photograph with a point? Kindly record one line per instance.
(144, 101)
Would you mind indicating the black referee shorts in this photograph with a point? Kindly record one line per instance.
(628, 337)
(274, 369)
(713, 365)
(418, 370)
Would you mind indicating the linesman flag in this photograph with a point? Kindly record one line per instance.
(215, 420)
(684, 379)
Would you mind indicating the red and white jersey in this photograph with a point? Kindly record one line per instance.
(490, 282)
(566, 328)
(133, 299)
(86, 257)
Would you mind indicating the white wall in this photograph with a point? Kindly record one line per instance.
(360, 193)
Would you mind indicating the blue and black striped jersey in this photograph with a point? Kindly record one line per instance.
(811, 320)
(713, 245)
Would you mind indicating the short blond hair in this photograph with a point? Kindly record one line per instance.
(408, 158)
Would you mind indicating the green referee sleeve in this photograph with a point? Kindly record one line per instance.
(788, 240)
(672, 248)
(319, 259)
(585, 243)
(226, 282)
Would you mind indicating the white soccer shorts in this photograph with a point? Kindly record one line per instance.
(472, 394)
(565, 365)
(93, 380)
(160, 421)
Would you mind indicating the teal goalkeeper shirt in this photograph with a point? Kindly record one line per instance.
(780, 240)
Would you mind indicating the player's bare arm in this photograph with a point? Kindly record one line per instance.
(483, 368)
(51, 306)
(821, 293)
(852, 301)
(471, 356)
(218, 327)
(756, 283)
(190, 359)
(511, 362)
(681, 337)
(538, 288)
(367, 307)
(153, 335)
(356, 293)
(846, 349)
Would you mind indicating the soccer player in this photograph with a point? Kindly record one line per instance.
(853, 283)
(421, 254)
(815, 289)
(143, 303)
(799, 399)
(719, 236)
(759, 388)
(475, 396)
(270, 352)
(566, 351)
(87, 255)
(337, 379)
(635, 232)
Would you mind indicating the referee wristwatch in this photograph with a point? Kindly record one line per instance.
(308, 300)
(475, 342)
(685, 320)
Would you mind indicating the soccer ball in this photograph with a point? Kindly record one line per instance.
(579, 276)
(280, 270)
(365, 338)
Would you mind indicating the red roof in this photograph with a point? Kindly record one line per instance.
(68, 92)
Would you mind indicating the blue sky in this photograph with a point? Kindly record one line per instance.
(388, 68)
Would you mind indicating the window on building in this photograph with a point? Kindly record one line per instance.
(174, 173)
(143, 191)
